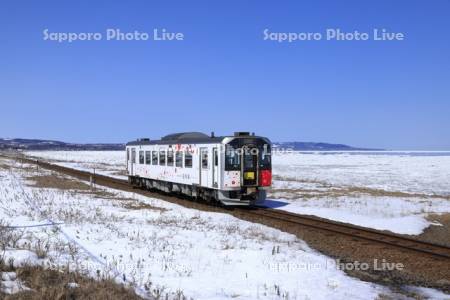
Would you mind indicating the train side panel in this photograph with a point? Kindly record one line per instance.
(204, 170)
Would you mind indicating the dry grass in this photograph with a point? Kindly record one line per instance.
(53, 284)
(8, 237)
(57, 182)
(102, 194)
(127, 203)
(438, 234)
(5, 167)
(136, 205)
(120, 173)
(289, 178)
(444, 219)
(384, 193)
(347, 191)
(9, 164)
(74, 186)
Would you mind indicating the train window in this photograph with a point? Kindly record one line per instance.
(250, 160)
(187, 159)
(170, 157)
(133, 155)
(205, 159)
(216, 157)
(154, 157)
(162, 158)
(232, 159)
(265, 157)
(147, 157)
(179, 159)
(141, 157)
(128, 154)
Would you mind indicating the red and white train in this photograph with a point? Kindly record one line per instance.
(233, 170)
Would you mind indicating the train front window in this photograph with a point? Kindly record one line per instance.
(265, 162)
(249, 160)
(232, 159)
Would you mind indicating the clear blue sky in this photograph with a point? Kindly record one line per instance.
(224, 76)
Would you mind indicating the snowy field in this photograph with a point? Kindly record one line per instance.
(159, 248)
(386, 191)
(411, 172)
(111, 163)
(393, 191)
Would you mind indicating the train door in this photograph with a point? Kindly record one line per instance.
(127, 163)
(250, 166)
(204, 167)
(215, 168)
(133, 160)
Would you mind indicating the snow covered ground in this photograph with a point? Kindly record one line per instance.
(383, 190)
(158, 247)
(111, 163)
(393, 191)
(412, 172)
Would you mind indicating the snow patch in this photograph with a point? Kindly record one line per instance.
(19, 258)
(10, 284)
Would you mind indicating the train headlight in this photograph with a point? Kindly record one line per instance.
(249, 175)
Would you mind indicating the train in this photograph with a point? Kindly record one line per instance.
(234, 170)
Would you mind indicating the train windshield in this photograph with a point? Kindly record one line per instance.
(235, 149)
(250, 160)
(232, 159)
(265, 162)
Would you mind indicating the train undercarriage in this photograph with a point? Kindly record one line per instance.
(236, 197)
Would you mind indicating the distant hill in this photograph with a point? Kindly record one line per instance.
(311, 146)
(35, 144)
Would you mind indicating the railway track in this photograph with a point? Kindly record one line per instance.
(356, 232)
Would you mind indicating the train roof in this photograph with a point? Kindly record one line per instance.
(188, 138)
